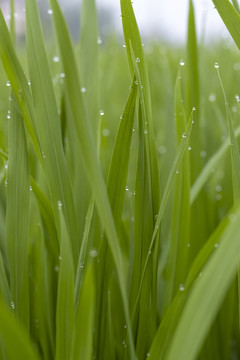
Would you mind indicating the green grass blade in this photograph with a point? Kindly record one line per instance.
(89, 152)
(84, 320)
(209, 168)
(235, 160)
(65, 296)
(171, 178)
(177, 264)
(236, 5)
(4, 286)
(16, 342)
(89, 60)
(42, 291)
(230, 17)
(199, 312)
(47, 215)
(120, 157)
(18, 82)
(17, 217)
(136, 60)
(168, 325)
(48, 124)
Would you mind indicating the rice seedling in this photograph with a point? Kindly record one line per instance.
(119, 205)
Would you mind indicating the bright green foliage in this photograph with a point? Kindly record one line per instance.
(119, 206)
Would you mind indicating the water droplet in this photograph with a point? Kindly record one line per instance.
(59, 204)
(62, 75)
(194, 109)
(99, 41)
(124, 45)
(203, 153)
(30, 188)
(56, 59)
(125, 326)
(8, 83)
(43, 155)
(82, 265)
(216, 65)
(189, 148)
(237, 98)
(182, 62)
(177, 171)
(136, 82)
(184, 135)
(12, 305)
(60, 257)
(50, 11)
(216, 245)
(218, 188)
(162, 149)
(6, 166)
(212, 97)
(188, 245)
(148, 354)
(218, 197)
(127, 188)
(6, 183)
(93, 253)
(29, 83)
(106, 132)
(56, 268)
(101, 112)
(236, 66)
(138, 59)
(83, 90)
(133, 130)
(146, 132)
(181, 287)
(8, 116)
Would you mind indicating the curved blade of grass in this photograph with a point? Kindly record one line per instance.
(89, 153)
(4, 287)
(48, 124)
(181, 210)
(18, 82)
(170, 320)
(84, 321)
(136, 57)
(171, 178)
(89, 60)
(233, 147)
(207, 294)
(17, 216)
(235, 160)
(116, 185)
(41, 292)
(16, 341)
(47, 215)
(209, 168)
(230, 17)
(236, 5)
(65, 296)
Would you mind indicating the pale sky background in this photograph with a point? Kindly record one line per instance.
(169, 17)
